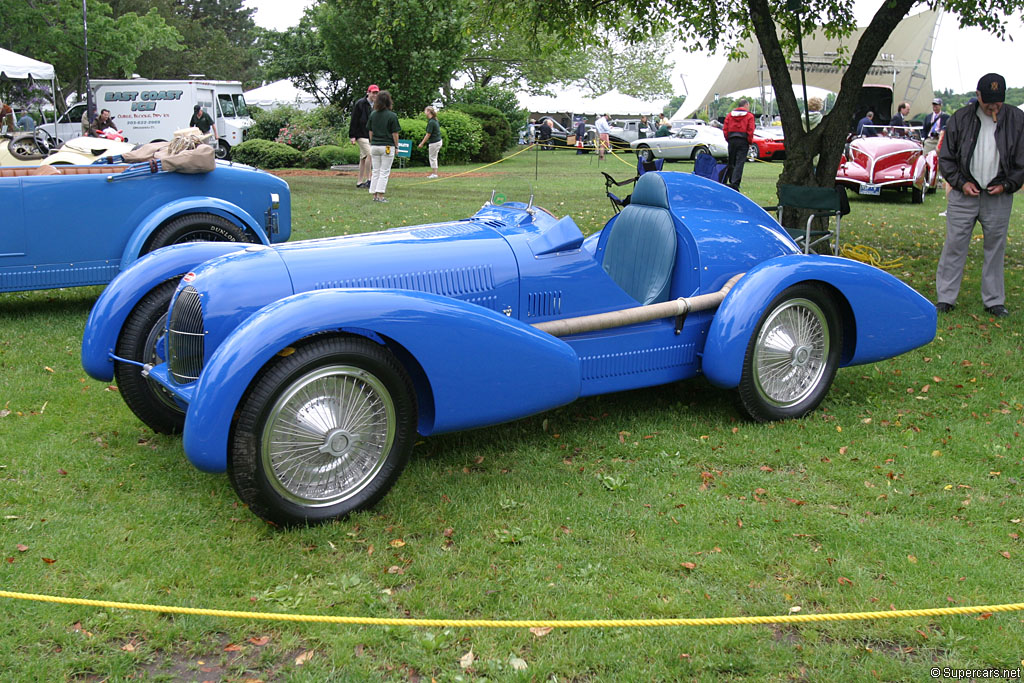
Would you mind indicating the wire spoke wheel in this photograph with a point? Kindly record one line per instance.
(790, 352)
(792, 356)
(328, 435)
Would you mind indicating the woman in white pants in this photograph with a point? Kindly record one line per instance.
(432, 139)
(384, 130)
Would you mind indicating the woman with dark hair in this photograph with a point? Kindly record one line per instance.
(384, 130)
(432, 139)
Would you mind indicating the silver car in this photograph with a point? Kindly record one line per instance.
(687, 143)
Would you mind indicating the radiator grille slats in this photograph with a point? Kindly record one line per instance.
(185, 337)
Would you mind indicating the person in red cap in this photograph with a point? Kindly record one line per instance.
(982, 158)
(359, 134)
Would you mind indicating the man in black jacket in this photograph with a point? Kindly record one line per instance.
(933, 126)
(359, 134)
(982, 158)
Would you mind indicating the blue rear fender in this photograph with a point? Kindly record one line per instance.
(881, 316)
(116, 302)
(187, 205)
(471, 366)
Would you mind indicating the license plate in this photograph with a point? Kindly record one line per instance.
(870, 189)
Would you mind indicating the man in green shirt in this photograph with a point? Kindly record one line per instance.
(201, 120)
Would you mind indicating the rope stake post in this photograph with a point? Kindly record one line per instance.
(521, 623)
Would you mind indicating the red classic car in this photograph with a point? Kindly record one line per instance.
(768, 145)
(891, 160)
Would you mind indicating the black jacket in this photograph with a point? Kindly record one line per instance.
(360, 118)
(962, 136)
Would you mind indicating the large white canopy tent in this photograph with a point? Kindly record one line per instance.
(904, 62)
(19, 67)
(574, 102)
(280, 93)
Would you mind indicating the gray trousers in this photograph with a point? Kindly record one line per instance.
(993, 212)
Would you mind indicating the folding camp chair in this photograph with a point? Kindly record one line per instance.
(642, 166)
(706, 166)
(824, 203)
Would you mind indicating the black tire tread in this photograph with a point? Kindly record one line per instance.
(244, 462)
(219, 228)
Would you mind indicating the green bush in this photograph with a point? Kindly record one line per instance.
(462, 135)
(497, 135)
(303, 138)
(266, 154)
(503, 99)
(269, 122)
(415, 129)
(324, 156)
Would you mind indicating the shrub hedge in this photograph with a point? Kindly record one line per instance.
(462, 135)
(266, 154)
(497, 134)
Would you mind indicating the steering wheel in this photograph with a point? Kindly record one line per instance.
(44, 141)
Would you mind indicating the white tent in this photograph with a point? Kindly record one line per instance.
(280, 93)
(904, 62)
(573, 101)
(15, 66)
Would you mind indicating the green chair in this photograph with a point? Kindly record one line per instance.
(824, 203)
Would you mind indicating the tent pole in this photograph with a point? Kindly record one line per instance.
(90, 106)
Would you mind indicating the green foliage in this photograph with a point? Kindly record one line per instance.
(501, 98)
(497, 135)
(326, 156)
(303, 137)
(266, 154)
(51, 30)
(415, 129)
(462, 135)
(269, 122)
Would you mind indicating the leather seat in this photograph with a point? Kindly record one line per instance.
(641, 250)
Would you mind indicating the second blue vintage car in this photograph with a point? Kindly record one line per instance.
(83, 224)
(307, 370)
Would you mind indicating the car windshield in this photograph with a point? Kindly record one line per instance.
(687, 133)
(241, 109)
(227, 107)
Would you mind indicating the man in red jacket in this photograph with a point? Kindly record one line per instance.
(739, 135)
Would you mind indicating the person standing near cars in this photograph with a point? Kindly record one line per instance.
(384, 130)
(359, 135)
(201, 120)
(604, 130)
(102, 122)
(739, 134)
(432, 139)
(933, 126)
(982, 159)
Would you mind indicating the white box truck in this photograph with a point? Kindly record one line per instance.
(150, 111)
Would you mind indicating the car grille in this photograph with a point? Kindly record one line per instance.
(185, 336)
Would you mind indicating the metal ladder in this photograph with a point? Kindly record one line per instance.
(923, 65)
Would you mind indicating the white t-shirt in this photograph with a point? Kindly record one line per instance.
(985, 162)
(602, 126)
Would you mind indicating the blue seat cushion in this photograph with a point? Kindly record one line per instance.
(641, 249)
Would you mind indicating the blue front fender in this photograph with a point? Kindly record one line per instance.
(186, 205)
(475, 366)
(119, 298)
(882, 317)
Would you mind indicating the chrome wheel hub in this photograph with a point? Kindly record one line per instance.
(327, 435)
(791, 353)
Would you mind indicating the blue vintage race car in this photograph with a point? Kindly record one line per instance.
(84, 224)
(306, 370)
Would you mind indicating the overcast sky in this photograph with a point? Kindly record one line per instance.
(961, 56)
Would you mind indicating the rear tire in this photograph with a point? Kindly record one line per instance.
(792, 356)
(753, 154)
(323, 432)
(144, 327)
(644, 153)
(196, 227)
(701, 149)
(916, 196)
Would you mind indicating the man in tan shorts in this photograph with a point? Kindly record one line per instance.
(359, 134)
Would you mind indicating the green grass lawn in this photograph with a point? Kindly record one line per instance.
(904, 490)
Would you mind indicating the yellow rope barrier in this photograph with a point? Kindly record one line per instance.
(523, 623)
(474, 170)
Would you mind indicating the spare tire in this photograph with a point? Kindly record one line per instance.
(196, 227)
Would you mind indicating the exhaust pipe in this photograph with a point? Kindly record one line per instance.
(639, 314)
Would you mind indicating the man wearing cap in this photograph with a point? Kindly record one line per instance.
(359, 134)
(201, 120)
(933, 126)
(982, 158)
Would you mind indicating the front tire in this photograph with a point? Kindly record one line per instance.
(700, 149)
(222, 150)
(196, 227)
(323, 432)
(645, 153)
(916, 195)
(143, 328)
(792, 356)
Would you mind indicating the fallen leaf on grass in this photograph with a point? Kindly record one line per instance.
(232, 647)
(794, 609)
(983, 616)
(129, 646)
(467, 660)
(688, 565)
(517, 663)
(912, 559)
(541, 631)
(397, 543)
(395, 569)
(261, 641)
(843, 581)
(304, 657)
(1005, 554)
(21, 547)
(47, 560)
